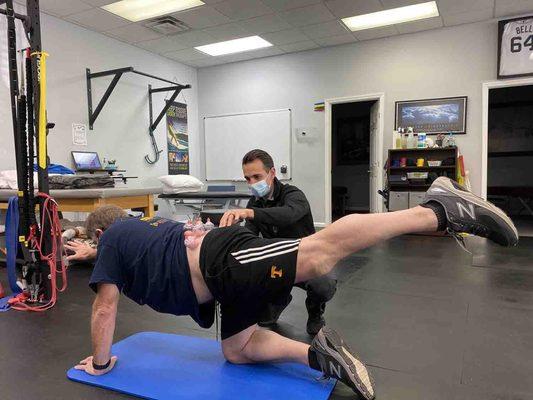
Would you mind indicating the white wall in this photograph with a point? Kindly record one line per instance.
(121, 130)
(439, 63)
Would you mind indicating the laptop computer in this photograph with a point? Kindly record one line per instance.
(86, 161)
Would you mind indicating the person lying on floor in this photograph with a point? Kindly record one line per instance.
(154, 262)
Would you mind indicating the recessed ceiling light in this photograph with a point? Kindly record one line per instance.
(392, 16)
(137, 10)
(234, 46)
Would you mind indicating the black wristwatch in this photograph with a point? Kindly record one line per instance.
(101, 367)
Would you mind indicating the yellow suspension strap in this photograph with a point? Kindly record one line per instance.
(41, 76)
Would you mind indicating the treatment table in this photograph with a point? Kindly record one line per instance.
(209, 204)
(227, 198)
(87, 200)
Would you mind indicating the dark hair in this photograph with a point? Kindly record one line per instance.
(102, 218)
(258, 154)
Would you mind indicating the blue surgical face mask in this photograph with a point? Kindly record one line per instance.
(260, 189)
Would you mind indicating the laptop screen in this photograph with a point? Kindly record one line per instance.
(86, 160)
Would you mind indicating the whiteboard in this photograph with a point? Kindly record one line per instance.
(229, 137)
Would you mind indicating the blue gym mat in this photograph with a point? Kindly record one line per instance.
(155, 365)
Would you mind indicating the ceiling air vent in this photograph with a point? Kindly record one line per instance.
(166, 25)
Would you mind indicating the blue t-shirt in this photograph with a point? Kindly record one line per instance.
(146, 258)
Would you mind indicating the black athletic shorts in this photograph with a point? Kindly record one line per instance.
(245, 273)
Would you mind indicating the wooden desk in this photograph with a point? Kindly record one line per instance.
(87, 200)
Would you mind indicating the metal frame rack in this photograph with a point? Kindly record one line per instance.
(29, 127)
(176, 88)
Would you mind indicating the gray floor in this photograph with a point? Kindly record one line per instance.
(432, 321)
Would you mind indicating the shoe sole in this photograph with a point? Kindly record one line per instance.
(468, 196)
(348, 360)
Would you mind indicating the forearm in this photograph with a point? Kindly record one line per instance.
(102, 331)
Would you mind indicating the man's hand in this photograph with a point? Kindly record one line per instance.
(82, 251)
(192, 238)
(87, 366)
(234, 216)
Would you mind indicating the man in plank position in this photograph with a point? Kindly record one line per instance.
(149, 262)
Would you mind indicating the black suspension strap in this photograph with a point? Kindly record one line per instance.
(31, 138)
(21, 105)
(14, 94)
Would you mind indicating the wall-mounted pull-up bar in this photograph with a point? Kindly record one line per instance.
(117, 74)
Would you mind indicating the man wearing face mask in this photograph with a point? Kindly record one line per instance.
(280, 210)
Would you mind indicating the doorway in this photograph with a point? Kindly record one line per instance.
(354, 143)
(510, 153)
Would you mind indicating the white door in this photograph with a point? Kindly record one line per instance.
(374, 167)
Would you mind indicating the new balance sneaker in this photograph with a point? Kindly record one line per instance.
(337, 361)
(468, 213)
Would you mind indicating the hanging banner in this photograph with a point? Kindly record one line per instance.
(177, 139)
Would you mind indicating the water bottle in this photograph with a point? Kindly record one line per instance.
(421, 140)
(451, 140)
(410, 138)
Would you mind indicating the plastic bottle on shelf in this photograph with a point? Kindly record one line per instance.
(397, 140)
(450, 140)
(421, 140)
(403, 140)
(410, 138)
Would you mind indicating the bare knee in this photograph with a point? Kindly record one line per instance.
(234, 356)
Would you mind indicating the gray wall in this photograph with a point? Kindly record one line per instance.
(121, 130)
(439, 63)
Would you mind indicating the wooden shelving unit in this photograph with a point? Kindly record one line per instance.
(434, 154)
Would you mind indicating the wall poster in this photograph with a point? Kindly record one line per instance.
(177, 139)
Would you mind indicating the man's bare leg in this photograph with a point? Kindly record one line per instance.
(319, 253)
(255, 345)
(447, 206)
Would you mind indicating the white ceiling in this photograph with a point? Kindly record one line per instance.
(291, 25)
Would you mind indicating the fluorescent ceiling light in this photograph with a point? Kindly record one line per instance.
(137, 10)
(234, 46)
(392, 16)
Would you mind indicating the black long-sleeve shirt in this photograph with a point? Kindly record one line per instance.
(286, 215)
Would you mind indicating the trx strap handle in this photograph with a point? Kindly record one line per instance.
(41, 135)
